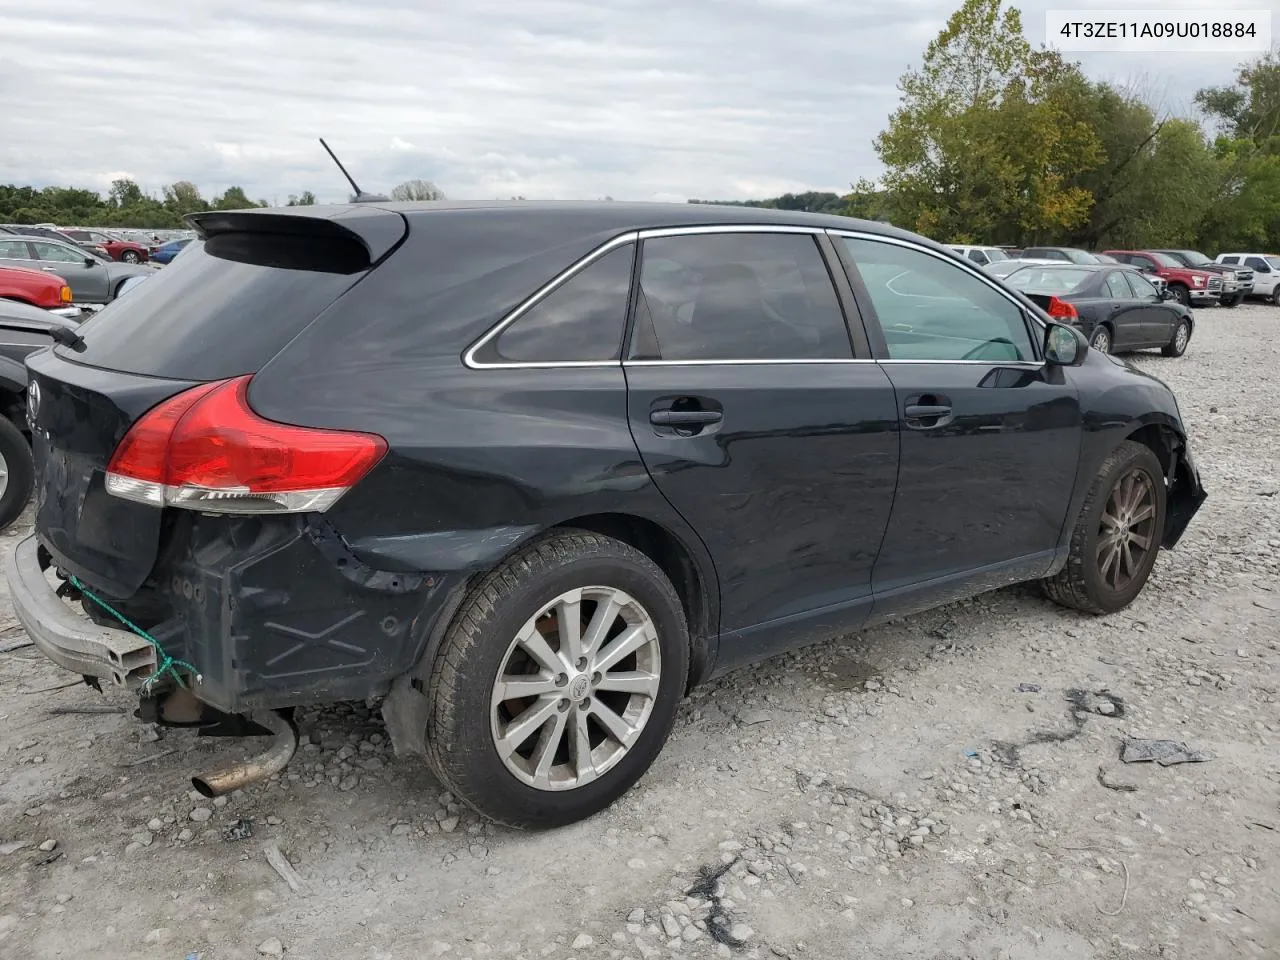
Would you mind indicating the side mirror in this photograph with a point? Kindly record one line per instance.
(90, 261)
(1064, 346)
(1167, 294)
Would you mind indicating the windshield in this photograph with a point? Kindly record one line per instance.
(994, 254)
(1193, 259)
(1048, 280)
(1080, 256)
(1165, 260)
(1274, 261)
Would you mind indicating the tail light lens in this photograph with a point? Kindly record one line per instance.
(64, 293)
(1061, 310)
(205, 449)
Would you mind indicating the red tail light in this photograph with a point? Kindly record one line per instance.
(1061, 310)
(205, 449)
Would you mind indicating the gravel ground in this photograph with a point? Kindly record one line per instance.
(948, 786)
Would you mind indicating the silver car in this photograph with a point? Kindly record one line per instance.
(92, 279)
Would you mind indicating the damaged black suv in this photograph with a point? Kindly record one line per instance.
(528, 472)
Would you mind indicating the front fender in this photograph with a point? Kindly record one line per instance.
(13, 375)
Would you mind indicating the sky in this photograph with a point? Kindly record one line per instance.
(546, 99)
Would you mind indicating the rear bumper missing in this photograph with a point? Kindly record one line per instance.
(68, 638)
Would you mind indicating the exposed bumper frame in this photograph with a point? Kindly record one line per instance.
(69, 639)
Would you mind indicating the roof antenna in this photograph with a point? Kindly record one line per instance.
(361, 196)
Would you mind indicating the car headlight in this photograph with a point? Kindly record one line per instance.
(1229, 275)
(1198, 281)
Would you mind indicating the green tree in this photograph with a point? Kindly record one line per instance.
(183, 197)
(416, 190)
(989, 136)
(125, 193)
(305, 199)
(1249, 110)
(234, 198)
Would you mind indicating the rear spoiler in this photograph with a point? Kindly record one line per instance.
(376, 230)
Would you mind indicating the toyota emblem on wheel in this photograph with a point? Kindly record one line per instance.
(33, 402)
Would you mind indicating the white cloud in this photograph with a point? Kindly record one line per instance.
(571, 99)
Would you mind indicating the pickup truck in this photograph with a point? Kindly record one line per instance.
(1266, 272)
(1237, 282)
(1188, 285)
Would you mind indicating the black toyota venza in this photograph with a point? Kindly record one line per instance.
(529, 472)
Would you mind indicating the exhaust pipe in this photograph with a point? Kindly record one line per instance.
(271, 761)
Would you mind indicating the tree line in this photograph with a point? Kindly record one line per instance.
(995, 141)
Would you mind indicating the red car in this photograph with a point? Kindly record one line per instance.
(37, 288)
(126, 251)
(1189, 285)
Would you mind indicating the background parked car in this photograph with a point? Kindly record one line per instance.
(1118, 309)
(166, 252)
(49, 232)
(92, 279)
(1002, 268)
(125, 251)
(1188, 285)
(36, 288)
(1237, 281)
(1068, 254)
(23, 330)
(1266, 272)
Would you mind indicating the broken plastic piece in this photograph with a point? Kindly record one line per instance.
(1164, 752)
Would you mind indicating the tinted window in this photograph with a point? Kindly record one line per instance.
(1116, 287)
(14, 250)
(1143, 289)
(931, 309)
(977, 256)
(1258, 264)
(744, 296)
(1230, 259)
(995, 253)
(205, 317)
(582, 319)
(57, 253)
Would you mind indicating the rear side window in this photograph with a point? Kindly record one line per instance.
(56, 253)
(1230, 259)
(581, 320)
(743, 296)
(207, 317)
(14, 250)
(1116, 286)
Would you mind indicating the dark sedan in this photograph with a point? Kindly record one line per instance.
(1117, 308)
(530, 472)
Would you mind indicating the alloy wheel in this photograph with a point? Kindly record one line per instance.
(4, 475)
(1102, 341)
(575, 688)
(129, 257)
(1127, 531)
(1181, 338)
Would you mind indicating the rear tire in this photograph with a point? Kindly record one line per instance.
(130, 256)
(1182, 293)
(1275, 295)
(1107, 566)
(1234, 301)
(1181, 337)
(504, 677)
(1100, 339)
(17, 472)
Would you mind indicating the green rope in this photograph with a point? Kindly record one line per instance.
(165, 663)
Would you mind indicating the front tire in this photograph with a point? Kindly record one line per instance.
(1182, 293)
(1234, 301)
(557, 683)
(130, 256)
(17, 472)
(1181, 337)
(1275, 295)
(1117, 536)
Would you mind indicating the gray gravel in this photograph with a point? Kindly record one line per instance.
(945, 786)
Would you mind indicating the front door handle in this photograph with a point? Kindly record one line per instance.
(685, 418)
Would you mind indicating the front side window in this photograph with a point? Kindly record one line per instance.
(579, 321)
(1143, 288)
(737, 296)
(930, 309)
(56, 252)
(977, 256)
(14, 250)
(1259, 264)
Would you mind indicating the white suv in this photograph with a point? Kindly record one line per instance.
(1266, 272)
(980, 255)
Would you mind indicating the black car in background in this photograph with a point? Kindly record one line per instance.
(532, 471)
(1117, 308)
(1065, 254)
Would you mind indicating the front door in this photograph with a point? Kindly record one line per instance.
(761, 427)
(88, 283)
(1157, 317)
(990, 434)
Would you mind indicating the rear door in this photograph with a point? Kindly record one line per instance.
(764, 427)
(210, 317)
(86, 275)
(990, 434)
(17, 253)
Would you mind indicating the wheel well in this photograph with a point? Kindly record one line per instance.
(1162, 441)
(662, 547)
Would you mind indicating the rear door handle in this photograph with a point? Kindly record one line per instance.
(919, 411)
(684, 418)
